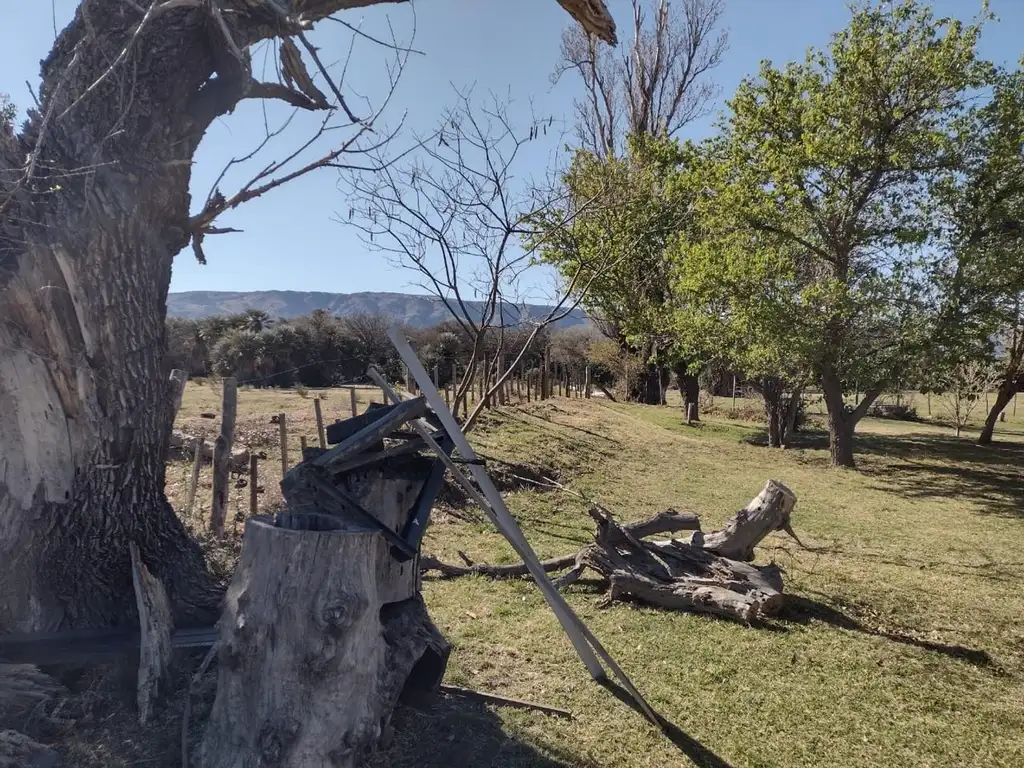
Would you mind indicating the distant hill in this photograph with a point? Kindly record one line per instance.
(414, 310)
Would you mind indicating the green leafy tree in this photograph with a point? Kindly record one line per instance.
(740, 303)
(624, 213)
(827, 166)
(982, 272)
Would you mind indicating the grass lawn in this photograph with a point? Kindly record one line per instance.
(902, 643)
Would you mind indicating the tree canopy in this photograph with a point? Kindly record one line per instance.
(814, 208)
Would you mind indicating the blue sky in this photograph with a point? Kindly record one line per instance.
(290, 241)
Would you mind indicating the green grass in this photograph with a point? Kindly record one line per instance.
(902, 644)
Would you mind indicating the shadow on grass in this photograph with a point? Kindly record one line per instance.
(925, 465)
(802, 610)
(937, 466)
(700, 755)
(454, 732)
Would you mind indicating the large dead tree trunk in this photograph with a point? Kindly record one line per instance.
(89, 227)
(323, 628)
(312, 656)
(94, 205)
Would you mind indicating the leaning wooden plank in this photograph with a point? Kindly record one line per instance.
(582, 638)
(417, 525)
(373, 432)
(155, 627)
(558, 605)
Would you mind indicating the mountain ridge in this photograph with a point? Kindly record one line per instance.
(416, 310)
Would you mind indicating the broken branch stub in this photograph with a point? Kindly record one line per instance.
(767, 512)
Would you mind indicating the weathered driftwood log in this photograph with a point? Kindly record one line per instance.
(679, 576)
(323, 628)
(685, 574)
(769, 511)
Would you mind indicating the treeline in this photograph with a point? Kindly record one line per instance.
(321, 350)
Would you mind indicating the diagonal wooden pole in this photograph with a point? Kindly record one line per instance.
(493, 505)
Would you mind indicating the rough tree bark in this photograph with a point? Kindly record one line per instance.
(842, 419)
(323, 629)
(85, 265)
(1007, 387)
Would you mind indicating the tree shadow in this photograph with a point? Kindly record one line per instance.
(802, 610)
(937, 466)
(455, 732)
(699, 754)
(922, 465)
(1006, 572)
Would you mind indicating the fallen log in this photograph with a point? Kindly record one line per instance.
(668, 521)
(691, 574)
(769, 511)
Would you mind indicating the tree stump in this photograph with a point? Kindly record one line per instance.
(322, 631)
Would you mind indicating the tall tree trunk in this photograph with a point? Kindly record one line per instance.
(89, 227)
(842, 420)
(1008, 386)
(649, 388)
(780, 409)
(1007, 389)
(689, 387)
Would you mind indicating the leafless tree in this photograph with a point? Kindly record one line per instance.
(657, 84)
(964, 389)
(94, 206)
(457, 213)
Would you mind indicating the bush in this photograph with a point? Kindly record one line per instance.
(897, 411)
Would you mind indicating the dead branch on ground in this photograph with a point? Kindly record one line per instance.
(704, 573)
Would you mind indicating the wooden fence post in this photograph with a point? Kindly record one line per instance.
(179, 379)
(321, 435)
(254, 476)
(282, 425)
(222, 456)
(734, 391)
(500, 365)
(197, 459)
(543, 394)
(352, 401)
